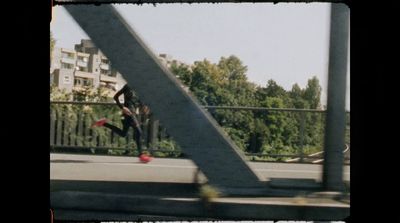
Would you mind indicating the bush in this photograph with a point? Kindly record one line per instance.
(208, 193)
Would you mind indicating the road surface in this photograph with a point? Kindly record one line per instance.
(129, 169)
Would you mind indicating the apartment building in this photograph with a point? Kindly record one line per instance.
(85, 66)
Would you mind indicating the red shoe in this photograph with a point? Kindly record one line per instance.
(100, 122)
(145, 158)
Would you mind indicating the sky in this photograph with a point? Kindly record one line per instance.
(286, 42)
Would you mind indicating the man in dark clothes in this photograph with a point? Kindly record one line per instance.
(131, 102)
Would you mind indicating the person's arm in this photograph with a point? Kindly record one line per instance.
(144, 109)
(125, 110)
(116, 97)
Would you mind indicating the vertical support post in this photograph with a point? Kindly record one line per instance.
(302, 123)
(153, 132)
(80, 129)
(52, 126)
(59, 118)
(335, 119)
(87, 137)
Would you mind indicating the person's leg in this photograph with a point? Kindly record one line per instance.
(99, 123)
(134, 122)
(143, 157)
(138, 138)
(121, 132)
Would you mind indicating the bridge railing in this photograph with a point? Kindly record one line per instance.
(70, 130)
(304, 152)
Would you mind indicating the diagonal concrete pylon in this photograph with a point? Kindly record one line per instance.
(191, 126)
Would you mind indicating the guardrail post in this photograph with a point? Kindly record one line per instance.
(53, 119)
(302, 123)
(58, 127)
(154, 125)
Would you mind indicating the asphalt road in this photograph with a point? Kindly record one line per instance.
(129, 169)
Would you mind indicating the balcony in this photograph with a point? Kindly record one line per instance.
(104, 66)
(82, 63)
(84, 55)
(68, 60)
(106, 78)
(83, 74)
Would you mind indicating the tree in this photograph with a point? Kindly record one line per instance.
(89, 94)
(57, 94)
(226, 84)
(312, 93)
(274, 90)
(297, 97)
(314, 125)
(52, 44)
(203, 83)
(232, 69)
(183, 73)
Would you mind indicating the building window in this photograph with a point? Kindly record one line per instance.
(87, 82)
(67, 66)
(67, 80)
(67, 55)
(77, 82)
(84, 69)
(82, 59)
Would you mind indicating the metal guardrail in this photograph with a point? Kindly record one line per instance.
(206, 107)
(59, 138)
(72, 130)
(209, 107)
(318, 156)
(82, 103)
(298, 157)
(264, 109)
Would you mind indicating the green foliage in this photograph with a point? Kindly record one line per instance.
(208, 193)
(307, 150)
(73, 117)
(225, 83)
(168, 148)
(90, 94)
(52, 44)
(57, 94)
(182, 72)
(312, 93)
(77, 119)
(232, 69)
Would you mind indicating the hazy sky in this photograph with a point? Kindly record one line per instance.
(286, 42)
